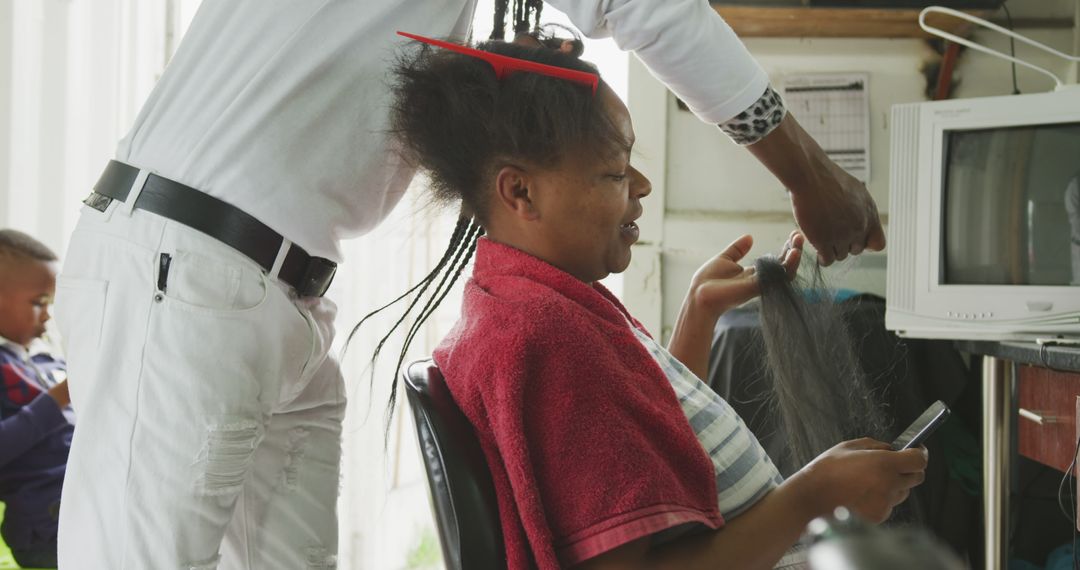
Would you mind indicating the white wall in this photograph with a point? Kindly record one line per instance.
(73, 73)
(983, 75)
(710, 191)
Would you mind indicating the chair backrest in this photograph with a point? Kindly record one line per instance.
(462, 492)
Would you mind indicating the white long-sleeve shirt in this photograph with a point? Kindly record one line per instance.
(279, 107)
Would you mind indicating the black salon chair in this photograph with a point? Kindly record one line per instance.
(462, 493)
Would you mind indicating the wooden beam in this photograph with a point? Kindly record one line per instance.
(1035, 23)
(749, 22)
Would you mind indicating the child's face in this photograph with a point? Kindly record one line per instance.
(588, 204)
(26, 290)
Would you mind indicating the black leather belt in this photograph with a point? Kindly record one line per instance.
(309, 276)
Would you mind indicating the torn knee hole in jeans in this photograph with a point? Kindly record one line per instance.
(210, 564)
(226, 456)
(294, 456)
(319, 558)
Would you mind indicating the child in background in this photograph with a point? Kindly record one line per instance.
(35, 427)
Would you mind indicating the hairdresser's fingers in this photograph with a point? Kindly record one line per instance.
(567, 47)
(825, 257)
(840, 253)
(738, 249)
(876, 237)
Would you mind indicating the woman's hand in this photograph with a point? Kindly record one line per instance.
(719, 285)
(865, 476)
(722, 283)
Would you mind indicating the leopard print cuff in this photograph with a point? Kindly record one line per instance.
(760, 119)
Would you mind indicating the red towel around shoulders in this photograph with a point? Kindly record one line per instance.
(586, 441)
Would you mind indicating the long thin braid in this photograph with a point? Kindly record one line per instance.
(455, 239)
(452, 251)
(450, 276)
(453, 271)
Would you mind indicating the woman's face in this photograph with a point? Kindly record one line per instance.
(588, 204)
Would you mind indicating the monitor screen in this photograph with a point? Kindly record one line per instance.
(1011, 206)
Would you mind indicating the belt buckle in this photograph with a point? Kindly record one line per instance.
(318, 275)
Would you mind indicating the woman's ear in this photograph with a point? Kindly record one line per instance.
(514, 193)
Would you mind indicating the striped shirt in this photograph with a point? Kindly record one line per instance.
(744, 472)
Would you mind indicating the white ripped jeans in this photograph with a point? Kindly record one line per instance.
(208, 430)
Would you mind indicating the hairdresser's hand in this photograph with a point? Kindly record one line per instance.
(722, 283)
(832, 208)
(865, 476)
(838, 216)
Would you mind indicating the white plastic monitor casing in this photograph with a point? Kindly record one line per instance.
(918, 305)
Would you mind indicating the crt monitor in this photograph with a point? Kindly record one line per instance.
(984, 218)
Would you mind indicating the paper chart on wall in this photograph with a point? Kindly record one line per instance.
(835, 110)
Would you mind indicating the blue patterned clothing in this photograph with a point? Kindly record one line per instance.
(744, 472)
(35, 436)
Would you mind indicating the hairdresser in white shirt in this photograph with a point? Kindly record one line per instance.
(192, 295)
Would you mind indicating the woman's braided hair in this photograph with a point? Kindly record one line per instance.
(460, 124)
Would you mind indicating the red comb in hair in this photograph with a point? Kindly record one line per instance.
(505, 65)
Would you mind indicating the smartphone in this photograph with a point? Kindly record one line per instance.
(922, 427)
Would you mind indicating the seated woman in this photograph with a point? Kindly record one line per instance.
(606, 449)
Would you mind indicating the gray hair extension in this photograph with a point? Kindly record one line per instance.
(819, 388)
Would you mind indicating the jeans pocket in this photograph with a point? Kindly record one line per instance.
(80, 312)
(202, 283)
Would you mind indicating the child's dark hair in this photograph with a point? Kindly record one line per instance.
(17, 245)
(460, 124)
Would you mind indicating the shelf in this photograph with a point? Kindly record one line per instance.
(784, 22)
